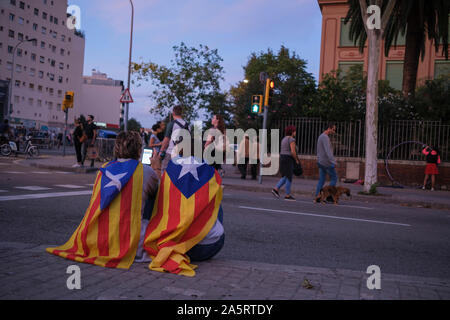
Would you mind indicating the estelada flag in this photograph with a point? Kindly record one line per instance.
(185, 210)
(108, 235)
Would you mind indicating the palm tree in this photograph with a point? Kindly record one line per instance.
(419, 19)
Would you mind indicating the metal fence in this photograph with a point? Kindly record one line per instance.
(105, 149)
(397, 137)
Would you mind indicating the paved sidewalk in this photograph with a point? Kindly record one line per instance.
(300, 186)
(28, 272)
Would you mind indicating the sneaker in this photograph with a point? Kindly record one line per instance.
(423, 188)
(275, 193)
(76, 165)
(289, 198)
(432, 189)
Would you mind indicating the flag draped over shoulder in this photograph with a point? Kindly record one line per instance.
(185, 210)
(108, 235)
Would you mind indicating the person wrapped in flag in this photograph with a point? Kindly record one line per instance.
(111, 231)
(187, 217)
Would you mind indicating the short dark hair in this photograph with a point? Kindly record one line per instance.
(289, 130)
(91, 116)
(156, 127)
(178, 110)
(331, 125)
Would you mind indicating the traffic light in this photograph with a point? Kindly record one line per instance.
(68, 101)
(257, 103)
(269, 92)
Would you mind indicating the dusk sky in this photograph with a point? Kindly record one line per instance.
(235, 27)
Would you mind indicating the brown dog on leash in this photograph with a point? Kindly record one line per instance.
(334, 192)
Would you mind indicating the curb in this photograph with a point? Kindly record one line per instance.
(378, 199)
(55, 167)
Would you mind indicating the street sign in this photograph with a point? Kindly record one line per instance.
(126, 97)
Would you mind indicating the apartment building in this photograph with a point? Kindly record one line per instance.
(42, 69)
(338, 51)
(100, 97)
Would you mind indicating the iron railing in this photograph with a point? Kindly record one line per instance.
(349, 140)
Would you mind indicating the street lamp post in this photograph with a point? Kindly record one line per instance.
(129, 66)
(8, 107)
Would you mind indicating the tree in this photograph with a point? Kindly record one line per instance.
(375, 30)
(418, 19)
(192, 80)
(133, 125)
(294, 91)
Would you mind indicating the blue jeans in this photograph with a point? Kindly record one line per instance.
(285, 180)
(323, 171)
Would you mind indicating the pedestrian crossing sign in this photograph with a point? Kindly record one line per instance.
(126, 97)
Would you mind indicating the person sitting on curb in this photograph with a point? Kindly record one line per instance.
(187, 217)
(110, 232)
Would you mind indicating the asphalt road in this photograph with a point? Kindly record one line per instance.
(44, 207)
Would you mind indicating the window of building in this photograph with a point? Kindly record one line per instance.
(63, 38)
(55, 20)
(61, 65)
(51, 76)
(55, 34)
(32, 72)
(9, 65)
(394, 74)
(17, 83)
(18, 68)
(36, 11)
(39, 103)
(41, 74)
(16, 99)
(344, 40)
(20, 36)
(44, 30)
(59, 93)
(19, 52)
(50, 105)
(40, 88)
(53, 48)
(33, 57)
(35, 26)
(11, 17)
(44, 15)
(60, 79)
(62, 52)
(52, 63)
(10, 49)
(50, 91)
(42, 44)
(21, 21)
(12, 2)
(30, 102)
(11, 34)
(51, 18)
(22, 5)
(441, 67)
(31, 86)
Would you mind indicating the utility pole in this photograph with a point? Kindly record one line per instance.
(125, 125)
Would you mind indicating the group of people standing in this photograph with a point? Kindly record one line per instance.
(84, 136)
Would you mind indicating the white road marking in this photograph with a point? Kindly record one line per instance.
(13, 172)
(311, 202)
(2, 191)
(33, 188)
(325, 216)
(69, 186)
(45, 195)
(41, 172)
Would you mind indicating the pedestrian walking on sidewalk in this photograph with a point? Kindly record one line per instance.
(173, 137)
(248, 154)
(78, 140)
(433, 159)
(217, 141)
(90, 129)
(155, 142)
(325, 159)
(288, 157)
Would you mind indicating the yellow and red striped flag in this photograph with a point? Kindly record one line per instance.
(185, 210)
(108, 235)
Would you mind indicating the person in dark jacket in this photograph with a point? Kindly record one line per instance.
(77, 135)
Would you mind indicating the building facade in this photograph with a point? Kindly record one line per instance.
(41, 70)
(100, 97)
(338, 51)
